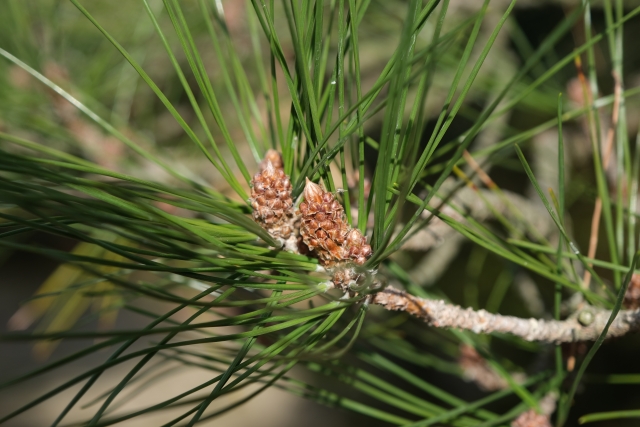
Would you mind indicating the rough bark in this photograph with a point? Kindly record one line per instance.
(441, 314)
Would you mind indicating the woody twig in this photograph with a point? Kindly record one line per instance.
(440, 314)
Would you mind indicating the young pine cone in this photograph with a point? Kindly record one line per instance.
(324, 229)
(274, 157)
(271, 197)
(531, 419)
(632, 297)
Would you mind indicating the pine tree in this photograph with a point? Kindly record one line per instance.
(376, 194)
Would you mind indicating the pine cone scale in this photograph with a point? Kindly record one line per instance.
(325, 231)
(271, 197)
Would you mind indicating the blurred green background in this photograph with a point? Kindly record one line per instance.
(55, 39)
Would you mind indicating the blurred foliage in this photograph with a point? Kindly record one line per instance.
(133, 130)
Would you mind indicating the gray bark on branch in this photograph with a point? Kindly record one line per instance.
(441, 314)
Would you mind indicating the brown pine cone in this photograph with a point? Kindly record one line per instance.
(271, 197)
(274, 157)
(531, 419)
(325, 231)
(357, 246)
(632, 297)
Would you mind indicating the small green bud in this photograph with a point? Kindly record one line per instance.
(586, 317)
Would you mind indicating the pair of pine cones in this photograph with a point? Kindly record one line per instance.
(320, 220)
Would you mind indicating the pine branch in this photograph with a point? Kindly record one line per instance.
(586, 326)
